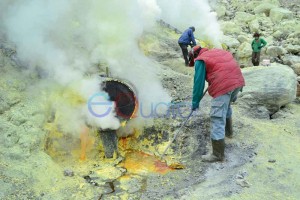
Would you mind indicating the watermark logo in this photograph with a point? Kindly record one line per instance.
(99, 105)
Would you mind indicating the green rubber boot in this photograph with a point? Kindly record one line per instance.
(218, 152)
(228, 128)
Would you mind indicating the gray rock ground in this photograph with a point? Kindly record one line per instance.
(261, 159)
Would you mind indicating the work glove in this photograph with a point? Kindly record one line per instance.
(196, 112)
(194, 108)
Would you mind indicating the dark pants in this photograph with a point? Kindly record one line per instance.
(185, 53)
(255, 58)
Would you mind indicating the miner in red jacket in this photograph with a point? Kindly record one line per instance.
(225, 80)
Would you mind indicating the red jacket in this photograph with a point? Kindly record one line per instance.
(223, 73)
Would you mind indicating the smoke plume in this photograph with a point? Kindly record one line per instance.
(185, 13)
(70, 39)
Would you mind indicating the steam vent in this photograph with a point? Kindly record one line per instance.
(98, 100)
(125, 105)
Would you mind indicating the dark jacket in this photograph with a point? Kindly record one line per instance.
(187, 37)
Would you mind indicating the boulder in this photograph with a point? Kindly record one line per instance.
(230, 41)
(229, 13)
(266, 24)
(244, 17)
(298, 86)
(278, 14)
(243, 38)
(270, 40)
(221, 11)
(293, 41)
(264, 8)
(296, 68)
(276, 51)
(279, 35)
(251, 5)
(288, 27)
(291, 60)
(294, 49)
(254, 26)
(244, 53)
(230, 28)
(295, 34)
(268, 87)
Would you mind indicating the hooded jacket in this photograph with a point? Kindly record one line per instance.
(187, 37)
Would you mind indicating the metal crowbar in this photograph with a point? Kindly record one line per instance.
(178, 131)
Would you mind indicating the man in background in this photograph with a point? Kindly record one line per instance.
(187, 38)
(257, 44)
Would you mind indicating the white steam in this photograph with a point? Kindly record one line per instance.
(68, 38)
(185, 13)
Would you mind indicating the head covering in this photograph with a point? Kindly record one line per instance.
(196, 48)
(193, 54)
(256, 34)
(193, 28)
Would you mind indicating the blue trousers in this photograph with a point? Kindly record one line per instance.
(220, 110)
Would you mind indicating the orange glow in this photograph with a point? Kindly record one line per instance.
(123, 142)
(134, 114)
(137, 162)
(128, 142)
(85, 142)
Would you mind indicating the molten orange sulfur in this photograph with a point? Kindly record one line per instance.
(84, 137)
(137, 162)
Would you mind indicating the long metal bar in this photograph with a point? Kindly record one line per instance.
(183, 124)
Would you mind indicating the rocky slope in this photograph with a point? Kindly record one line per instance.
(277, 21)
(40, 161)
